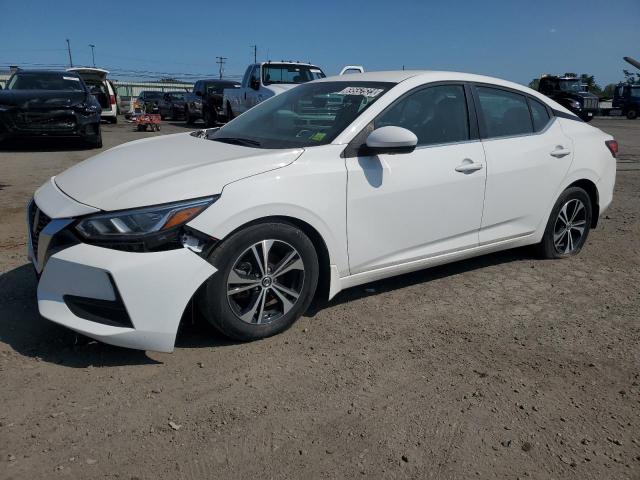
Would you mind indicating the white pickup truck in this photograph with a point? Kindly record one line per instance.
(264, 80)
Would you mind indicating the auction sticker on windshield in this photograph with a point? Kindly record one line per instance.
(364, 91)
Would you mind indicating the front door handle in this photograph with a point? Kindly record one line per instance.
(468, 166)
(560, 152)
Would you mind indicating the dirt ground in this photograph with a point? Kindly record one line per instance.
(504, 366)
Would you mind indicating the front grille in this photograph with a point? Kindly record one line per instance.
(590, 103)
(37, 221)
(45, 121)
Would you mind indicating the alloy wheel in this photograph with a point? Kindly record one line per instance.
(570, 227)
(265, 282)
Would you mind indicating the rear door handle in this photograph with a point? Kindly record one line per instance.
(560, 152)
(468, 166)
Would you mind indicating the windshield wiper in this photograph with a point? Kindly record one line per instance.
(237, 141)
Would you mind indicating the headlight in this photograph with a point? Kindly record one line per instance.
(575, 104)
(142, 229)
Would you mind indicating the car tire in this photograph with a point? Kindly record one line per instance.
(209, 119)
(632, 114)
(568, 225)
(263, 304)
(95, 140)
(187, 117)
(113, 120)
(229, 112)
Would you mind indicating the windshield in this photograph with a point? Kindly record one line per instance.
(177, 96)
(571, 85)
(635, 91)
(219, 87)
(45, 81)
(308, 115)
(288, 73)
(151, 95)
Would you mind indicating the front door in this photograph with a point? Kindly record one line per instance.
(407, 207)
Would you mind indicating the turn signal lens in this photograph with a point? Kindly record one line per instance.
(612, 145)
(182, 216)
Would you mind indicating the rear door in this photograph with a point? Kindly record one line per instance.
(527, 154)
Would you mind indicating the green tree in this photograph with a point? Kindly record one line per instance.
(607, 91)
(534, 83)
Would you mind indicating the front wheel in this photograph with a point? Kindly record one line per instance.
(267, 276)
(632, 114)
(568, 225)
(209, 119)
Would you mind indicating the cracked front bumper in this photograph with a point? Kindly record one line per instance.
(154, 289)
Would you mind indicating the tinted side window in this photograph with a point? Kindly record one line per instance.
(540, 115)
(504, 113)
(435, 114)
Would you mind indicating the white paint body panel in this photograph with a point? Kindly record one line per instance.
(405, 207)
(378, 216)
(155, 288)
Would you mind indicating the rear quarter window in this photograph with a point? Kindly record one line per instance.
(539, 115)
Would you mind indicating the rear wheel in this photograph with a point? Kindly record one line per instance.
(632, 114)
(113, 120)
(568, 226)
(267, 275)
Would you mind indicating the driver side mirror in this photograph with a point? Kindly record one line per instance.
(391, 140)
(255, 84)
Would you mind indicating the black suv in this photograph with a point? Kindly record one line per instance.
(568, 92)
(206, 101)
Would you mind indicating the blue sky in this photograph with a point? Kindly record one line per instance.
(516, 40)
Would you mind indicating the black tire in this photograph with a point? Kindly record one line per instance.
(554, 244)
(209, 119)
(95, 141)
(113, 120)
(587, 118)
(632, 114)
(229, 112)
(216, 304)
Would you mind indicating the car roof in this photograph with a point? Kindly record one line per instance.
(217, 80)
(426, 76)
(22, 70)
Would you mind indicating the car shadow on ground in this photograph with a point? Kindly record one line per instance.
(28, 333)
(423, 276)
(43, 145)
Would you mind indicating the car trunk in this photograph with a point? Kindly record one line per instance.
(96, 81)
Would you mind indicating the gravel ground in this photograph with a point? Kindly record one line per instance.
(504, 366)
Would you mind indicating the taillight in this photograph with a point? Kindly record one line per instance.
(612, 145)
(112, 99)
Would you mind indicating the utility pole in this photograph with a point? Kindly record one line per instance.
(221, 61)
(93, 57)
(255, 53)
(69, 50)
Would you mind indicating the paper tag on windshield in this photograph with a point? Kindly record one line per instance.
(71, 78)
(364, 91)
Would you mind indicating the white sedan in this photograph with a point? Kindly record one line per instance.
(333, 184)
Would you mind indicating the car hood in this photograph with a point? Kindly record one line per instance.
(165, 169)
(40, 99)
